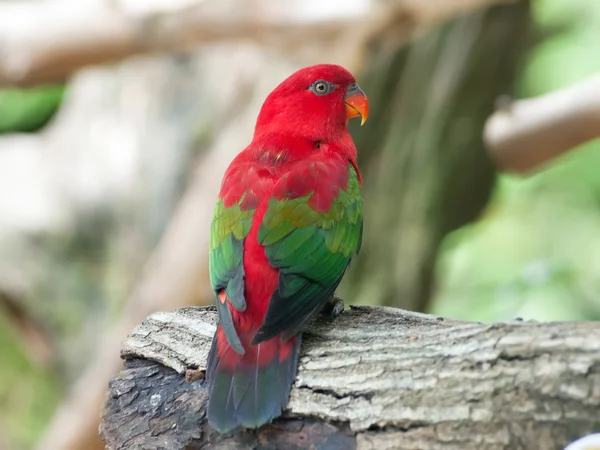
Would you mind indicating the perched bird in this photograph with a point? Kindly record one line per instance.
(286, 225)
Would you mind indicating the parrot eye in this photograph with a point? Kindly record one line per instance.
(321, 87)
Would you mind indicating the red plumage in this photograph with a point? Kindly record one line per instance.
(301, 147)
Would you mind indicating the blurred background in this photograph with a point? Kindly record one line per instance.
(119, 117)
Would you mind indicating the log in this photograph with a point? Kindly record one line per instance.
(374, 378)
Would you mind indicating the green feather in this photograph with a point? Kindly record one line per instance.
(268, 236)
(229, 221)
(230, 226)
(296, 242)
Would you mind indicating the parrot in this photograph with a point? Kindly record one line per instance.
(287, 222)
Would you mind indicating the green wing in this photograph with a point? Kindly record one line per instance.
(229, 228)
(312, 250)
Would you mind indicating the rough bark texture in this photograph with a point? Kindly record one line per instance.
(375, 378)
(424, 162)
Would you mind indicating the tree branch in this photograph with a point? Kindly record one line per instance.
(46, 42)
(375, 378)
(523, 135)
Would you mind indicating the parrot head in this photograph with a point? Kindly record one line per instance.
(316, 101)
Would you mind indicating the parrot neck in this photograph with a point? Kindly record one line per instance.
(288, 148)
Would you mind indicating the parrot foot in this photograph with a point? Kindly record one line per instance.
(333, 308)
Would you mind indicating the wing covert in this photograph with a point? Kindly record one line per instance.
(311, 239)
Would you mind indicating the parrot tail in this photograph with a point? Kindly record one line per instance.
(252, 389)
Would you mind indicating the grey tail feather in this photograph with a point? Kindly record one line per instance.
(243, 392)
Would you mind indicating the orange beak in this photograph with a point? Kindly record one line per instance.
(356, 103)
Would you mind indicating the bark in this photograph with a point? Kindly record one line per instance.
(524, 135)
(426, 170)
(375, 378)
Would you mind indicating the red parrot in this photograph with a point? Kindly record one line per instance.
(287, 222)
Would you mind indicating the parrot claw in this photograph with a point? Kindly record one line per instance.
(333, 308)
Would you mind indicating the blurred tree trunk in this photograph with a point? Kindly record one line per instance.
(425, 167)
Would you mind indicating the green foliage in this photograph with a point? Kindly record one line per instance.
(536, 253)
(28, 394)
(28, 110)
(66, 299)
